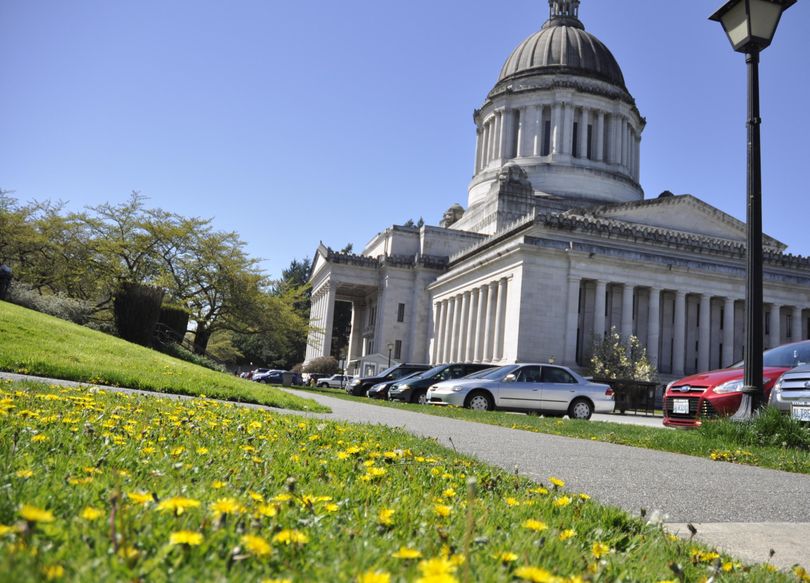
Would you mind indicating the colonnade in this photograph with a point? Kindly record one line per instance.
(470, 326)
(543, 130)
(702, 330)
(321, 321)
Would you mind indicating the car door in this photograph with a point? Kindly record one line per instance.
(558, 387)
(522, 393)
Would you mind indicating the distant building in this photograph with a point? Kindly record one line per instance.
(557, 244)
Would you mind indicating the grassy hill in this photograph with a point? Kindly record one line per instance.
(37, 344)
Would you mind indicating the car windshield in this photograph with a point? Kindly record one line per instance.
(413, 376)
(497, 373)
(431, 372)
(788, 356)
(479, 373)
(387, 372)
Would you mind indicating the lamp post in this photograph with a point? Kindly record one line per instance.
(750, 26)
(390, 348)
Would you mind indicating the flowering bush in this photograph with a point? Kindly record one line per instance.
(614, 358)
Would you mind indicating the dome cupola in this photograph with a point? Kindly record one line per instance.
(561, 112)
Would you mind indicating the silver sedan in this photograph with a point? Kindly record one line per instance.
(542, 388)
(791, 393)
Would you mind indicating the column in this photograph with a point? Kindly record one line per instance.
(479, 149)
(728, 332)
(627, 311)
(483, 293)
(455, 329)
(485, 153)
(437, 332)
(523, 131)
(556, 128)
(679, 334)
(776, 326)
(599, 311)
(584, 120)
(497, 142)
(489, 325)
(472, 327)
(331, 292)
(464, 321)
(568, 128)
(599, 147)
(616, 146)
(448, 329)
(654, 325)
(507, 133)
(796, 326)
(637, 146)
(537, 133)
(705, 332)
(572, 320)
(500, 317)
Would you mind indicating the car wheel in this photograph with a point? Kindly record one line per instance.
(580, 409)
(324, 386)
(421, 398)
(479, 401)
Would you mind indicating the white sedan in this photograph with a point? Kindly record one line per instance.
(531, 388)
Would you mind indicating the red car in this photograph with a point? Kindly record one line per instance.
(689, 400)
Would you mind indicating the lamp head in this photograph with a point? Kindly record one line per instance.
(751, 24)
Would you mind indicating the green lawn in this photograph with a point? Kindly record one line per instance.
(720, 440)
(37, 344)
(111, 487)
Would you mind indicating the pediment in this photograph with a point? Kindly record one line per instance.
(683, 213)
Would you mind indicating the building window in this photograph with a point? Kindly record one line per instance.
(372, 318)
(401, 313)
(546, 139)
(398, 349)
(589, 153)
(722, 317)
(789, 328)
(575, 142)
(767, 323)
(513, 151)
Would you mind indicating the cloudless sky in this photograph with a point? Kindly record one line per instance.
(296, 122)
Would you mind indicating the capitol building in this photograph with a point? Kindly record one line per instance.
(557, 244)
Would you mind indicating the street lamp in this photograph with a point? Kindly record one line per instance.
(390, 348)
(750, 26)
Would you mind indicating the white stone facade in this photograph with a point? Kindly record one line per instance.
(557, 245)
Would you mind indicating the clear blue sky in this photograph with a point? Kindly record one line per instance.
(295, 122)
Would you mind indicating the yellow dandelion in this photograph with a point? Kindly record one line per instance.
(24, 474)
(256, 545)
(512, 502)
(584, 497)
(90, 514)
(535, 525)
(186, 537)
(284, 580)
(290, 537)
(386, 516)
(438, 569)
(256, 496)
(33, 514)
(332, 507)
(449, 493)
(268, 510)
(567, 533)
(407, 553)
(6, 529)
(39, 438)
(374, 577)
(539, 490)
(535, 575)
(202, 451)
(140, 497)
(128, 553)
(599, 550)
(561, 502)
(227, 506)
(556, 482)
(218, 484)
(177, 504)
(505, 557)
(442, 510)
(53, 572)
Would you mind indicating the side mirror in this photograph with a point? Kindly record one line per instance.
(510, 378)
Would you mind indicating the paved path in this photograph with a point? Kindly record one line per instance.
(743, 509)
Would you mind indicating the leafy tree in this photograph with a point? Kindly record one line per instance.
(616, 359)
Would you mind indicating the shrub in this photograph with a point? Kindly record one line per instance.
(614, 358)
(178, 351)
(174, 320)
(137, 309)
(322, 365)
(58, 305)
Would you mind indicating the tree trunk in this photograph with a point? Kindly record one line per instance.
(201, 337)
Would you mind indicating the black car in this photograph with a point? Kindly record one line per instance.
(380, 390)
(360, 387)
(414, 389)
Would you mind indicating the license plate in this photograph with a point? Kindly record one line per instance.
(800, 412)
(680, 406)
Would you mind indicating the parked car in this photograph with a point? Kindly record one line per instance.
(336, 381)
(360, 386)
(381, 390)
(260, 373)
(414, 388)
(272, 377)
(791, 393)
(531, 388)
(690, 400)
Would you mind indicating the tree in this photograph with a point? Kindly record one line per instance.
(322, 365)
(616, 359)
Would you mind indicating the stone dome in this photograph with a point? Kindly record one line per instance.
(563, 46)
